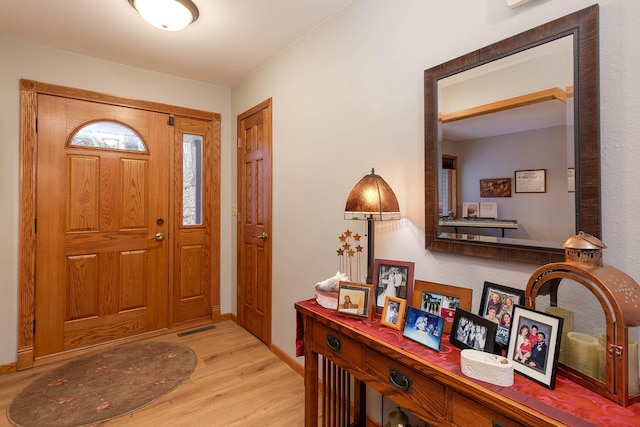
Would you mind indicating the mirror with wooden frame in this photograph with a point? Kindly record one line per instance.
(526, 163)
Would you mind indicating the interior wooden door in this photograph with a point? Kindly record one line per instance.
(254, 221)
(102, 215)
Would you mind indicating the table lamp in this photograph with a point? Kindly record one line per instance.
(372, 200)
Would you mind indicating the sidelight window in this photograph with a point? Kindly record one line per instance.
(191, 179)
(449, 195)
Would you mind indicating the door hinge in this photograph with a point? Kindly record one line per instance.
(34, 326)
(35, 226)
(171, 121)
(238, 290)
(238, 216)
(36, 125)
(239, 142)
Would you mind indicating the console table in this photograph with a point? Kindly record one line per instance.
(351, 353)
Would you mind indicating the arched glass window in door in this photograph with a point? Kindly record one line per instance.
(109, 135)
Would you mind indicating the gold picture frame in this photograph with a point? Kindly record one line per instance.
(393, 312)
(441, 299)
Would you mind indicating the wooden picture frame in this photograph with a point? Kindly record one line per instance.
(503, 299)
(393, 312)
(450, 297)
(472, 331)
(355, 300)
(424, 328)
(495, 187)
(402, 280)
(531, 181)
(541, 362)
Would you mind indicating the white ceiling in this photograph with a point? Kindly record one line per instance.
(229, 41)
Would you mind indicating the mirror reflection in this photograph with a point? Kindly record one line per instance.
(506, 140)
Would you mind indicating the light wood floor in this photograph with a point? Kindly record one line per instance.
(237, 382)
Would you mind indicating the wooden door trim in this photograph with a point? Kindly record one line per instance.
(29, 91)
(85, 95)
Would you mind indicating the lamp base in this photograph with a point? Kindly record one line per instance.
(370, 246)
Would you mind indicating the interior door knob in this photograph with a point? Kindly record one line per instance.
(159, 237)
(263, 236)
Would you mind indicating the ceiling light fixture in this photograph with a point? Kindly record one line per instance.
(168, 15)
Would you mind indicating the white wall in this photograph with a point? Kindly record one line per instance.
(349, 96)
(19, 60)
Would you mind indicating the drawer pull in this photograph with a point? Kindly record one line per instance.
(334, 343)
(400, 380)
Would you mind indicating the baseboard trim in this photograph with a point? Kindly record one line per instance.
(370, 422)
(293, 363)
(8, 368)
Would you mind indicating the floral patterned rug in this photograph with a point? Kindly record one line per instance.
(103, 385)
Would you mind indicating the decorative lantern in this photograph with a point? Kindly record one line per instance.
(600, 306)
(398, 418)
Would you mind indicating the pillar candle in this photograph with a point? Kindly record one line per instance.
(602, 357)
(632, 364)
(582, 353)
(567, 326)
(634, 383)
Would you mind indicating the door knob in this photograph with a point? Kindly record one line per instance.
(263, 236)
(159, 237)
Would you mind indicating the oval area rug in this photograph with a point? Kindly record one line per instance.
(103, 385)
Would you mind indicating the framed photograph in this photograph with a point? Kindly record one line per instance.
(531, 181)
(441, 300)
(495, 187)
(534, 344)
(393, 312)
(424, 328)
(355, 300)
(488, 210)
(472, 331)
(470, 209)
(497, 305)
(392, 278)
(571, 179)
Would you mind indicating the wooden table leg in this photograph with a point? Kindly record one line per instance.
(310, 378)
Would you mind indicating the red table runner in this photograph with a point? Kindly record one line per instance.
(569, 403)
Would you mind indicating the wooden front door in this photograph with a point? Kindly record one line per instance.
(254, 221)
(102, 222)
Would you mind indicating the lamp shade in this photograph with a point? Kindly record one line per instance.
(168, 15)
(372, 199)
